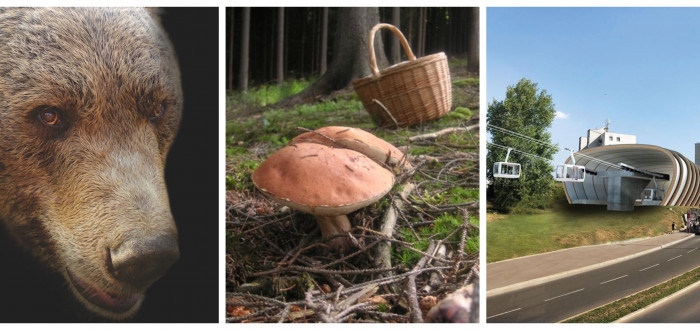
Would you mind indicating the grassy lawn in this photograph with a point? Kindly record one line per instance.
(565, 226)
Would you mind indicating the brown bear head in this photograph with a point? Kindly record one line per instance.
(90, 102)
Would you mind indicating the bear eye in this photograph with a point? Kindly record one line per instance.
(158, 111)
(51, 116)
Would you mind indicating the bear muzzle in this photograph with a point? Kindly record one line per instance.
(141, 261)
(114, 303)
(134, 264)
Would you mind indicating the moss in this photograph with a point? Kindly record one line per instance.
(466, 82)
(238, 177)
(459, 195)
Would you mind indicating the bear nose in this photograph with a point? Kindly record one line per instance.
(141, 261)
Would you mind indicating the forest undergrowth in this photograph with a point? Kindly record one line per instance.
(417, 245)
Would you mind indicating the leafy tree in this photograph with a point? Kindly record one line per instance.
(530, 112)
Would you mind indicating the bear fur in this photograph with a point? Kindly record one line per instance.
(90, 102)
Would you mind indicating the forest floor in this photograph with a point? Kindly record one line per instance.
(279, 269)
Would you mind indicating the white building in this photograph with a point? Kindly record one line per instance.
(603, 137)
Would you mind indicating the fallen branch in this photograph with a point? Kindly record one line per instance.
(435, 276)
(454, 156)
(321, 271)
(396, 124)
(404, 245)
(465, 232)
(387, 230)
(446, 131)
(340, 311)
(411, 292)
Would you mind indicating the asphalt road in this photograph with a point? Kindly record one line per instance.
(679, 308)
(563, 298)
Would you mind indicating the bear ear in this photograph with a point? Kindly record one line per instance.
(155, 13)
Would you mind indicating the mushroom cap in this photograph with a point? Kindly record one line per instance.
(359, 140)
(322, 180)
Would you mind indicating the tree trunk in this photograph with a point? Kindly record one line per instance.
(395, 21)
(286, 45)
(245, 39)
(324, 42)
(316, 31)
(409, 35)
(473, 52)
(280, 46)
(350, 54)
(230, 52)
(421, 31)
(302, 28)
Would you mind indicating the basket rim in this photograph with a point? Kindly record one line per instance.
(405, 65)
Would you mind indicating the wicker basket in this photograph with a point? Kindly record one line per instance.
(408, 93)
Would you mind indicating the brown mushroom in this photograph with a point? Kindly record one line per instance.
(324, 181)
(359, 140)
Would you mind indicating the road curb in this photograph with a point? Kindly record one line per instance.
(634, 314)
(549, 278)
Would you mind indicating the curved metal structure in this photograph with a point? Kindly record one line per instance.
(677, 177)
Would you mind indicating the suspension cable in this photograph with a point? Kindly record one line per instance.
(503, 130)
(517, 151)
(525, 137)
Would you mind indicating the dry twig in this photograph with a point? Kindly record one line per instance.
(384, 248)
(446, 131)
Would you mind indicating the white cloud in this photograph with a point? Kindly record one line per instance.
(560, 115)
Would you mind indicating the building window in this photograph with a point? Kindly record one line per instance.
(618, 139)
(610, 137)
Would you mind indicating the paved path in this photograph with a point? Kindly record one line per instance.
(514, 274)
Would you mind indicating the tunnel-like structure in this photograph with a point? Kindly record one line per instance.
(673, 178)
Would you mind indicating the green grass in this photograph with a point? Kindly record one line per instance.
(566, 226)
(278, 126)
(238, 178)
(444, 225)
(617, 309)
(466, 82)
(460, 113)
(264, 95)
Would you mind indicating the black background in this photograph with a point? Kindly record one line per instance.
(189, 291)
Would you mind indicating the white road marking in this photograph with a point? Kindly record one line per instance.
(692, 250)
(641, 270)
(676, 257)
(515, 310)
(566, 294)
(614, 279)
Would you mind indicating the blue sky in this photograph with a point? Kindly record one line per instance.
(640, 67)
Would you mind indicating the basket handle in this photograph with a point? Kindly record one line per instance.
(397, 32)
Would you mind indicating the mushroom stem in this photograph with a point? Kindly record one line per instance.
(333, 225)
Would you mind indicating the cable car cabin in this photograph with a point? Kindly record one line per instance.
(652, 196)
(506, 170)
(570, 173)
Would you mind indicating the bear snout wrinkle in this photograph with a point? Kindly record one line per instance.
(141, 261)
